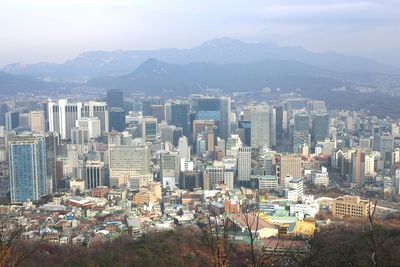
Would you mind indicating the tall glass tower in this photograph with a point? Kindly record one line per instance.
(28, 170)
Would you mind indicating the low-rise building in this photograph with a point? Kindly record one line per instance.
(352, 206)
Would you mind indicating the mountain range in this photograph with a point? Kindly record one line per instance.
(90, 65)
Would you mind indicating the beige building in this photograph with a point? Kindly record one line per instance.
(351, 206)
(290, 165)
(36, 119)
(145, 197)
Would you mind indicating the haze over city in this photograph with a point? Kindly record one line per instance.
(54, 31)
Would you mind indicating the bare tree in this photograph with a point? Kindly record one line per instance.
(10, 253)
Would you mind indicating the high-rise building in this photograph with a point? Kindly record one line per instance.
(128, 162)
(320, 127)
(289, 165)
(213, 175)
(28, 169)
(260, 128)
(301, 132)
(12, 120)
(217, 109)
(95, 109)
(180, 116)
(3, 111)
(91, 124)
(52, 142)
(94, 174)
(158, 112)
(62, 116)
(115, 98)
(116, 119)
(149, 129)
(244, 164)
(37, 121)
(276, 126)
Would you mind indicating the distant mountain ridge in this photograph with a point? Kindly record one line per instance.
(156, 77)
(93, 64)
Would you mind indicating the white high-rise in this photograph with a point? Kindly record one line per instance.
(244, 164)
(260, 127)
(62, 116)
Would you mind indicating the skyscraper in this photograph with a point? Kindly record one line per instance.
(116, 119)
(260, 128)
(28, 170)
(289, 165)
(244, 164)
(95, 109)
(62, 116)
(37, 121)
(320, 127)
(180, 116)
(276, 126)
(115, 98)
(94, 174)
(149, 129)
(301, 132)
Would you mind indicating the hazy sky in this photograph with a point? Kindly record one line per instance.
(55, 30)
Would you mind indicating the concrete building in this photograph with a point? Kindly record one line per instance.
(351, 206)
(37, 121)
(244, 164)
(260, 128)
(289, 165)
(27, 168)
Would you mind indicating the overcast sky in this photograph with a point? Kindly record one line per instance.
(56, 30)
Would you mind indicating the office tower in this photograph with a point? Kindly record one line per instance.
(216, 109)
(94, 174)
(301, 132)
(276, 126)
(244, 164)
(320, 127)
(190, 180)
(91, 124)
(260, 128)
(3, 111)
(295, 191)
(127, 162)
(12, 120)
(213, 175)
(158, 112)
(79, 136)
(116, 119)
(316, 106)
(168, 112)
(63, 116)
(100, 110)
(200, 126)
(246, 126)
(24, 121)
(149, 129)
(358, 167)
(115, 98)
(170, 165)
(384, 144)
(37, 121)
(232, 146)
(52, 142)
(180, 116)
(225, 125)
(166, 133)
(27, 168)
(176, 134)
(183, 148)
(289, 166)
